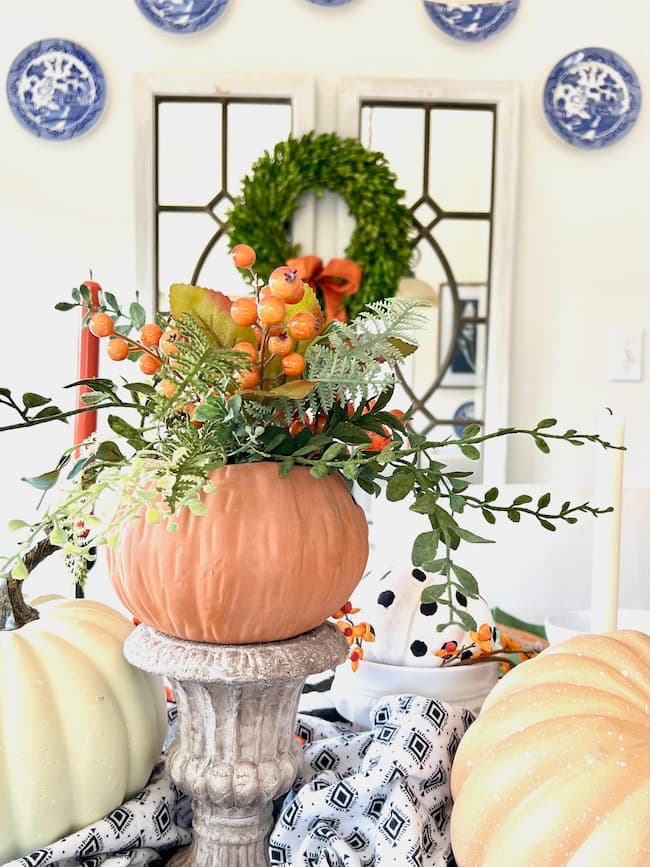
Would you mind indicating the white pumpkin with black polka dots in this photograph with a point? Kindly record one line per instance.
(405, 628)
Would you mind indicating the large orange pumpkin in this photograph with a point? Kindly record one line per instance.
(273, 557)
(556, 769)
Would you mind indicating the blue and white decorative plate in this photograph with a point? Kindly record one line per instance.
(56, 89)
(466, 410)
(592, 97)
(182, 16)
(329, 2)
(471, 21)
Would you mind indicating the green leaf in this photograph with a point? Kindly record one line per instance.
(522, 499)
(111, 300)
(91, 398)
(109, 451)
(312, 443)
(471, 452)
(43, 482)
(405, 349)
(65, 305)
(425, 547)
(335, 451)
(78, 466)
(211, 310)
(437, 565)
(107, 386)
(367, 486)
(514, 516)
(141, 388)
(432, 593)
(49, 412)
(31, 400)
(543, 501)
(471, 430)
(458, 485)
(489, 516)
(5, 392)
(547, 525)
(457, 503)
(123, 429)
(466, 620)
(319, 471)
(138, 315)
(297, 389)
(349, 433)
(542, 445)
(400, 484)
(84, 291)
(76, 295)
(491, 495)
(466, 536)
(467, 581)
(424, 504)
(285, 468)
(16, 524)
(546, 422)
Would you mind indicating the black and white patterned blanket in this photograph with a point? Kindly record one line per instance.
(374, 798)
(365, 799)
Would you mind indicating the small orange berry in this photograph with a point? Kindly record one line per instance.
(248, 378)
(247, 348)
(243, 256)
(286, 284)
(101, 325)
(398, 413)
(272, 310)
(280, 344)
(117, 349)
(168, 342)
(302, 326)
(265, 291)
(189, 409)
(244, 311)
(150, 334)
(319, 424)
(149, 364)
(167, 388)
(293, 364)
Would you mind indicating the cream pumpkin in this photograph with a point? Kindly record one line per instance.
(81, 728)
(273, 557)
(556, 770)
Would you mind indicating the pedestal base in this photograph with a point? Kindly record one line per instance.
(235, 753)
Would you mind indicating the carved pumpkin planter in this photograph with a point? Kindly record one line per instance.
(81, 728)
(272, 558)
(556, 770)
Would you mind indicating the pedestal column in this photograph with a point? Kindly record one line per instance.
(235, 753)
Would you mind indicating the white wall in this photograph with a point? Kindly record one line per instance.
(584, 218)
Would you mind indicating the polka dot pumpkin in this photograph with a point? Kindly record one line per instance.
(405, 628)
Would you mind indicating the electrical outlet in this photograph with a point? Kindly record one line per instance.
(625, 350)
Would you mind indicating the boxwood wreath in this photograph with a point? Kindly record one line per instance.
(380, 244)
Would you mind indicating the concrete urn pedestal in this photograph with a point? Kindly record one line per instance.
(236, 752)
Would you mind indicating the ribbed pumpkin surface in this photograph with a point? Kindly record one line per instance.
(272, 558)
(80, 730)
(556, 770)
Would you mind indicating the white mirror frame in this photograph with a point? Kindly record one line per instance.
(299, 89)
(504, 96)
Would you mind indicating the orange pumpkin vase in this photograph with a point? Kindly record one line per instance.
(273, 557)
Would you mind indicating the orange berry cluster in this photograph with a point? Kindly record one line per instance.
(354, 633)
(267, 315)
(154, 344)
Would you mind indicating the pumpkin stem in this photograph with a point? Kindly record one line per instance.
(14, 611)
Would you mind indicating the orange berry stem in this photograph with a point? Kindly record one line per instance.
(140, 348)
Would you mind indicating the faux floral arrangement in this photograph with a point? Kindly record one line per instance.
(261, 378)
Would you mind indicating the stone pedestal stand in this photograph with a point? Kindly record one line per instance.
(235, 752)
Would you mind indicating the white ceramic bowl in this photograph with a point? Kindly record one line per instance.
(355, 693)
(562, 626)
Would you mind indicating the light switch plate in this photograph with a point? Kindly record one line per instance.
(625, 351)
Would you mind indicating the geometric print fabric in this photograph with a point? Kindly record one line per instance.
(374, 798)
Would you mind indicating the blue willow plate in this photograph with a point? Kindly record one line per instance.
(56, 89)
(592, 97)
(466, 410)
(182, 16)
(471, 21)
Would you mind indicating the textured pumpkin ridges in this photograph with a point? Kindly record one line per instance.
(20, 663)
(240, 557)
(566, 806)
(626, 651)
(495, 786)
(630, 845)
(580, 671)
(526, 708)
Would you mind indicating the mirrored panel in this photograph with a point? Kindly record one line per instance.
(443, 156)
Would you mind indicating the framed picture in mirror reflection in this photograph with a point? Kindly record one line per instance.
(466, 367)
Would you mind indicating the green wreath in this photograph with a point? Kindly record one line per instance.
(380, 244)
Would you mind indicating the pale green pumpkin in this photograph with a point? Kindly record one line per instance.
(80, 728)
